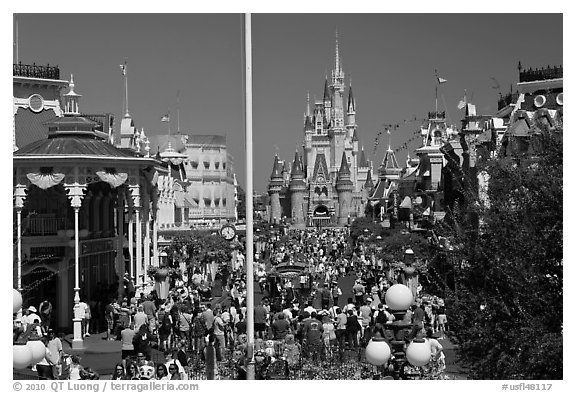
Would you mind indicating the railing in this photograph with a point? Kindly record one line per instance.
(36, 71)
(42, 226)
(531, 75)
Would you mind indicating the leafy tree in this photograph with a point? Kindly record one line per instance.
(506, 314)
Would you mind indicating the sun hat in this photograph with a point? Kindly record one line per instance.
(32, 309)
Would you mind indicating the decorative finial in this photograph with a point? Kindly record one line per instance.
(308, 103)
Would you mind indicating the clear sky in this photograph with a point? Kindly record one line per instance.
(390, 57)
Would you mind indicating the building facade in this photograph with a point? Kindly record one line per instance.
(327, 182)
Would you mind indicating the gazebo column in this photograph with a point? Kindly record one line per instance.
(75, 194)
(135, 191)
(146, 219)
(147, 242)
(156, 260)
(131, 243)
(120, 265)
(19, 198)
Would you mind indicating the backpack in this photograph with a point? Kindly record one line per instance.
(381, 317)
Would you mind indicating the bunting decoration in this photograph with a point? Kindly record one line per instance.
(393, 127)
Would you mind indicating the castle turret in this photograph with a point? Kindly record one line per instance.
(368, 186)
(297, 190)
(344, 187)
(274, 188)
(327, 100)
(351, 113)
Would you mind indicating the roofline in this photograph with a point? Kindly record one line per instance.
(24, 79)
(85, 157)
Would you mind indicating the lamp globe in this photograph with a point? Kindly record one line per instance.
(399, 297)
(418, 353)
(377, 351)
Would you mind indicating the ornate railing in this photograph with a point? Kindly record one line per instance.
(42, 226)
(36, 71)
(531, 75)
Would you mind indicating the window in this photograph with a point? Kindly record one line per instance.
(206, 164)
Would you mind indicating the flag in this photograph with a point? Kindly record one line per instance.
(166, 117)
(123, 68)
(441, 80)
(462, 103)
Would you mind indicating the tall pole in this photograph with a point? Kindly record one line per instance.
(16, 38)
(178, 111)
(125, 72)
(436, 90)
(19, 240)
(249, 207)
(77, 341)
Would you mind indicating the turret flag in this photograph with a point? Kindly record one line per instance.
(166, 117)
(441, 80)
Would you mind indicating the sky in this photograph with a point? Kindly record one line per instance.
(391, 59)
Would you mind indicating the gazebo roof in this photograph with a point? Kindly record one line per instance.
(71, 146)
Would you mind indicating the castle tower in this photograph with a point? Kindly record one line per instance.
(344, 187)
(368, 186)
(274, 188)
(297, 189)
(389, 169)
(351, 114)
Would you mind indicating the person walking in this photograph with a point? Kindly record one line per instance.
(352, 329)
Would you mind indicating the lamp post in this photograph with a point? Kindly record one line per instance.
(379, 350)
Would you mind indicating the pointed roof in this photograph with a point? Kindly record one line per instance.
(326, 90)
(368, 185)
(389, 161)
(355, 136)
(276, 170)
(363, 163)
(320, 167)
(351, 101)
(344, 168)
(297, 168)
(343, 183)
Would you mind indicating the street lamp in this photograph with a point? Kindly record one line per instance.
(379, 350)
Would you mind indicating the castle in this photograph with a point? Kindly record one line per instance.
(332, 179)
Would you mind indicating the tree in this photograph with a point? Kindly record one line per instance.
(507, 313)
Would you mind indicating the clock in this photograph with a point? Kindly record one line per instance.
(320, 179)
(228, 232)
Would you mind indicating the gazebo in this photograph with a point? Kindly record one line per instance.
(75, 197)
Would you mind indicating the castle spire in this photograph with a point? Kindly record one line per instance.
(326, 91)
(337, 68)
(351, 101)
(308, 103)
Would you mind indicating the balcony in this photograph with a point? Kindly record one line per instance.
(42, 225)
(36, 71)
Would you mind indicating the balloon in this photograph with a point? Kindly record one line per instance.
(21, 356)
(37, 349)
(17, 301)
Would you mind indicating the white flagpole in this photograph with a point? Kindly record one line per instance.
(178, 110)
(249, 199)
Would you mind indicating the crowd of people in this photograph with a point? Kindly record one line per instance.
(303, 314)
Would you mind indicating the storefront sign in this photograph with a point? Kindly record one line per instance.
(96, 247)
